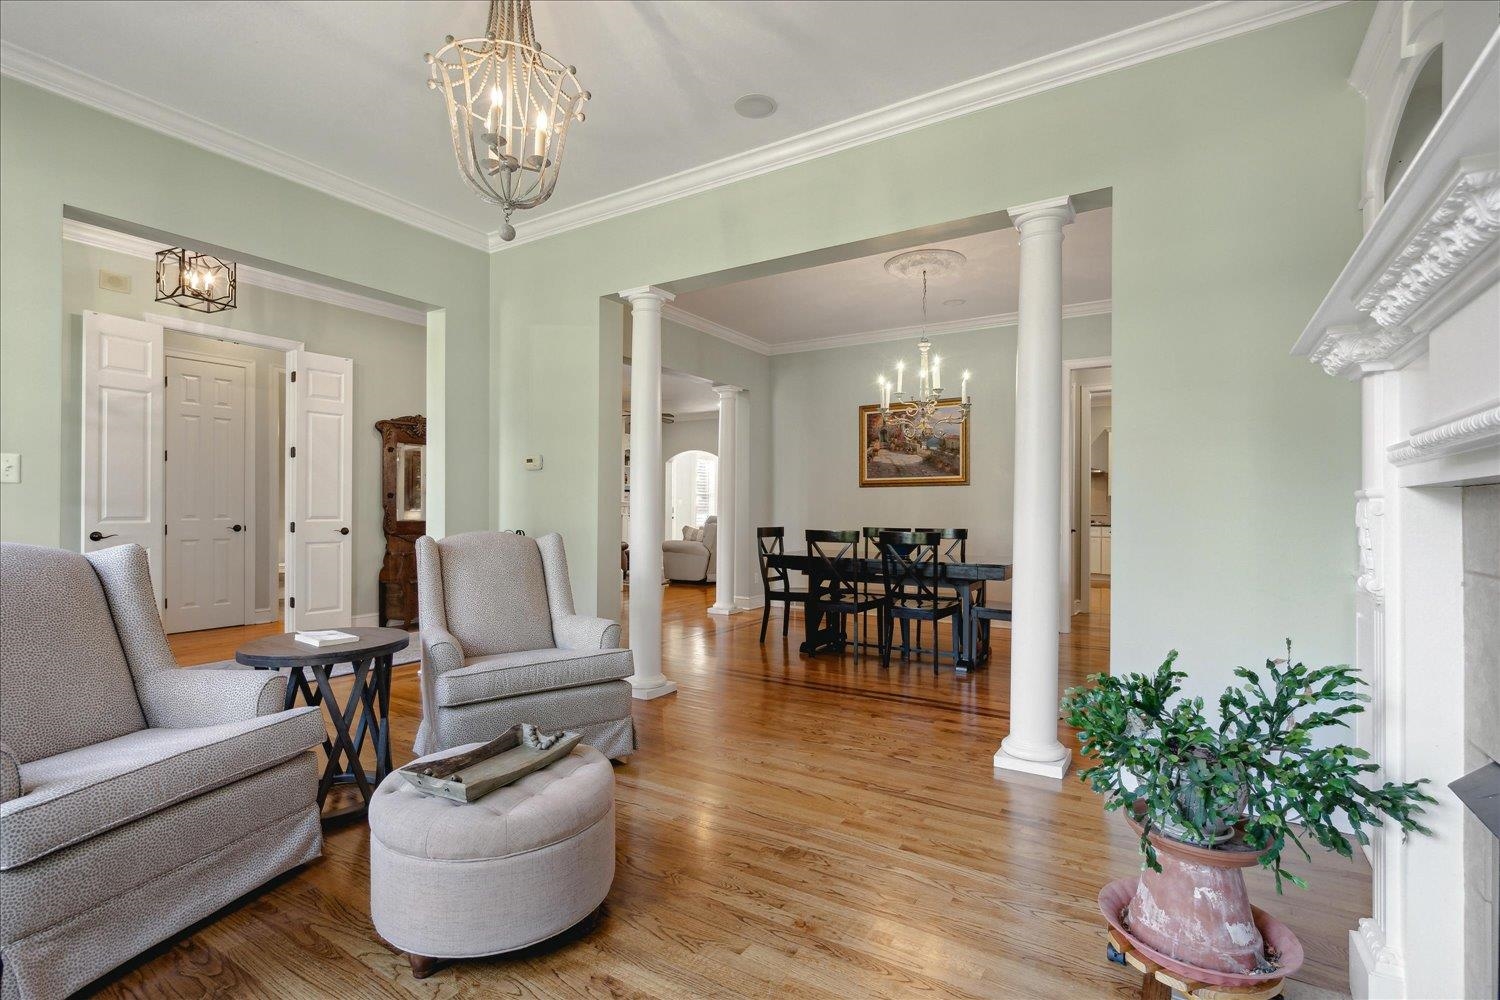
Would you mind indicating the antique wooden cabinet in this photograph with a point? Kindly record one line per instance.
(403, 442)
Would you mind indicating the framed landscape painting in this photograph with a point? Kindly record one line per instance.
(890, 456)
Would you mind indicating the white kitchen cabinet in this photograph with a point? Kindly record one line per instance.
(1099, 545)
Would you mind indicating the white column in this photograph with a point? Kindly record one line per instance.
(647, 514)
(1032, 745)
(728, 489)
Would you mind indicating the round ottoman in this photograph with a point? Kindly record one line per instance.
(466, 879)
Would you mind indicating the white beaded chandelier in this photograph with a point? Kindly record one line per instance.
(509, 108)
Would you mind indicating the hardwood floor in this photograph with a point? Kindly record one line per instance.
(790, 827)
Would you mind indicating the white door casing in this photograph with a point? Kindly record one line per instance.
(208, 520)
(321, 498)
(123, 430)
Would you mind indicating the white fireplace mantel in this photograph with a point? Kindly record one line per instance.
(1415, 318)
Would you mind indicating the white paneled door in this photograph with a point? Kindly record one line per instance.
(322, 493)
(123, 450)
(206, 494)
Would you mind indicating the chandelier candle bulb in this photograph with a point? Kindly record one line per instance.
(963, 387)
(937, 378)
(900, 369)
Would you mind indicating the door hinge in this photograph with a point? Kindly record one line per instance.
(165, 602)
(294, 451)
(292, 601)
(164, 529)
(163, 380)
(164, 454)
(294, 527)
(294, 376)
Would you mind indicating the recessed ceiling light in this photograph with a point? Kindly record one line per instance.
(755, 106)
(954, 302)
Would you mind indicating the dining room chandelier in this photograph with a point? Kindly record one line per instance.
(509, 108)
(921, 411)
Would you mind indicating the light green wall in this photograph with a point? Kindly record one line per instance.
(1234, 170)
(817, 474)
(56, 153)
(389, 376)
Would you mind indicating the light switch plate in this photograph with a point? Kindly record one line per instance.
(533, 463)
(10, 467)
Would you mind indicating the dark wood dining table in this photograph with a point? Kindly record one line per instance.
(823, 628)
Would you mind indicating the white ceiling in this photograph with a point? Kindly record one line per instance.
(682, 395)
(334, 94)
(858, 300)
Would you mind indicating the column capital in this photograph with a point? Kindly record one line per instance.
(727, 391)
(1057, 212)
(647, 293)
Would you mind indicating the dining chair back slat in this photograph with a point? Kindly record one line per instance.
(775, 583)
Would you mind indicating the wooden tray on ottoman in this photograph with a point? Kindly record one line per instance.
(468, 776)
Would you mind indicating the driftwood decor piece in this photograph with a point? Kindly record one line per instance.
(507, 758)
(403, 445)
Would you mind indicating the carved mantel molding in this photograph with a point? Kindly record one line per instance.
(1465, 223)
(1474, 429)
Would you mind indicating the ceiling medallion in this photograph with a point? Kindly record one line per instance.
(917, 414)
(195, 280)
(509, 107)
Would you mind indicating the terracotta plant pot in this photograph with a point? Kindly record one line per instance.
(1196, 909)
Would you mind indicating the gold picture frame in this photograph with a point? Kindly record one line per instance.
(919, 464)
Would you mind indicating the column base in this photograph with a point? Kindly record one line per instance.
(1055, 768)
(1374, 972)
(656, 689)
(719, 609)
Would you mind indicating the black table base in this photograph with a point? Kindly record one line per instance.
(368, 703)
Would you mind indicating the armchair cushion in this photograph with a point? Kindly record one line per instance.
(75, 795)
(511, 674)
(65, 679)
(496, 592)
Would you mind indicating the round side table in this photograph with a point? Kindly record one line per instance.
(366, 713)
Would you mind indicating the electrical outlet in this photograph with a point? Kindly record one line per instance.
(112, 281)
(10, 467)
(533, 463)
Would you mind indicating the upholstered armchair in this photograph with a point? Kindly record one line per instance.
(695, 559)
(502, 645)
(136, 798)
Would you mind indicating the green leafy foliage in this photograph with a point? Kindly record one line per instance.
(1258, 770)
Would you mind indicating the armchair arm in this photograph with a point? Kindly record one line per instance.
(580, 632)
(440, 651)
(10, 775)
(185, 699)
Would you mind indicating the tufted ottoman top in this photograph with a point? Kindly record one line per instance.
(543, 808)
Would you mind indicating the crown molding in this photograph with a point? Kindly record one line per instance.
(1179, 32)
(39, 71)
(134, 246)
(708, 326)
(1175, 33)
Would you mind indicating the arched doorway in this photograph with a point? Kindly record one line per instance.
(691, 490)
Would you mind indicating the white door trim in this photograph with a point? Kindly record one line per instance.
(245, 337)
(251, 532)
(1066, 585)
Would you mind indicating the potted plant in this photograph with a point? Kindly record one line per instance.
(1211, 798)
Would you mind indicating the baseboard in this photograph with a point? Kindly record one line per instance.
(750, 603)
(261, 616)
(365, 621)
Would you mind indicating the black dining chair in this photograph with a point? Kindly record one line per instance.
(953, 546)
(834, 582)
(909, 565)
(874, 586)
(770, 543)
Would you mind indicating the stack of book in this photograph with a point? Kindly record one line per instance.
(325, 637)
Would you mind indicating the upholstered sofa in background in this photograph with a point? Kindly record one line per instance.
(693, 560)
(135, 798)
(501, 645)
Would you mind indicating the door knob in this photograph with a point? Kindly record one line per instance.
(238, 527)
(94, 536)
(343, 531)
